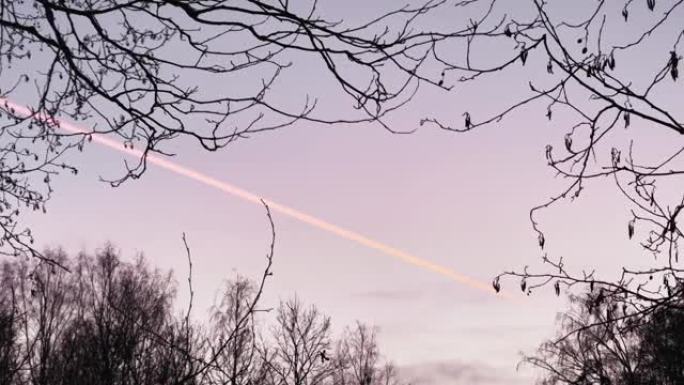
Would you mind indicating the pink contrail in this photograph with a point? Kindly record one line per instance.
(275, 206)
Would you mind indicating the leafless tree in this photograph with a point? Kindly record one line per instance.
(112, 339)
(102, 320)
(600, 343)
(239, 361)
(146, 72)
(358, 360)
(301, 350)
(41, 305)
(597, 345)
(249, 299)
(91, 325)
(110, 321)
(9, 331)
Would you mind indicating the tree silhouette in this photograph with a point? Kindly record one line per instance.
(103, 320)
(358, 359)
(107, 321)
(92, 325)
(605, 70)
(302, 340)
(662, 345)
(601, 343)
(113, 345)
(240, 360)
(9, 333)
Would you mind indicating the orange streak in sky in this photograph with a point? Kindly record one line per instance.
(275, 206)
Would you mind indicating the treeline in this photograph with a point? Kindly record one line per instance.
(609, 339)
(106, 321)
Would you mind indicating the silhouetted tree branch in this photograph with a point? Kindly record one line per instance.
(302, 342)
(607, 72)
(602, 342)
(358, 360)
(109, 321)
(149, 72)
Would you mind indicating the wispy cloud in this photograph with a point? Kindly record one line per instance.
(392, 295)
(461, 373)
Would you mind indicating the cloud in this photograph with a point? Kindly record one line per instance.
(460, 373)
(392, 295)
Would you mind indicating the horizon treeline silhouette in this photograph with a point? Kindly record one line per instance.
(108, 321)
(602, 341)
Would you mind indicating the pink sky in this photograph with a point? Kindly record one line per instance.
(459, 201)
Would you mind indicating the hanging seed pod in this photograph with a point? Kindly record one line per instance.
(674, 65)
(496, 284)
(626, 118)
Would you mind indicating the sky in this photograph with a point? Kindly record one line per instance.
(457, 200)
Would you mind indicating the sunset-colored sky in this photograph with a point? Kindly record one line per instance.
(460, 201)
(457, 200)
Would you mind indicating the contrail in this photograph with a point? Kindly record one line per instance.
(275, 206)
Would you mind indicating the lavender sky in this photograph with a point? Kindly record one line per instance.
(460, 200)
